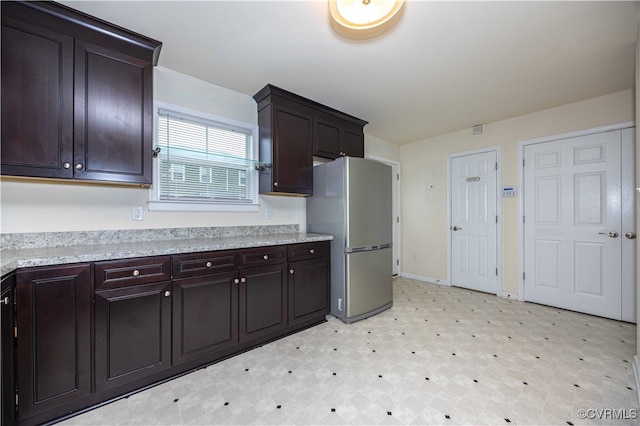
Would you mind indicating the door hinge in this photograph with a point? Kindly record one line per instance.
(397, 176)
(397, 219)
(523, 162)
(496, 218)
(398, 262)
(522, 218)
(523, 276)
(496, 165)
(496, 271)
(15, 331)
(16, 399)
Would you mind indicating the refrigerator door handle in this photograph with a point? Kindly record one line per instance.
(384, 246)
(357, 249)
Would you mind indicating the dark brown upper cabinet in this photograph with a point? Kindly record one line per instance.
(292, 130)
(335, 138)
(77, 96)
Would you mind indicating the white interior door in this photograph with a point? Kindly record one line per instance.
(573, 223)
(474, 221)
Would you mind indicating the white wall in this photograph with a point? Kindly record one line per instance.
(40, 206)
(424, 214)
(381, 148)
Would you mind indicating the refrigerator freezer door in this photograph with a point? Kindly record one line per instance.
(369, 217)
(369, 283)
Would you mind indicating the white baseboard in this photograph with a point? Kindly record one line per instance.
(423, 278)
(636, 373)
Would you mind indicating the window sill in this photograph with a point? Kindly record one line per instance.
(172, 206)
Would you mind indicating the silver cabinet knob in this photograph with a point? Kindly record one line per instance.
(630, 235)
(209, 264)
(243, 280)
(167, 293)
(265, 257)
(236, 281)
(612, 234)
(5, 301)
(67, 165)
(136, 272)
(291, 271)
(79, 166)
(312, 251)
(455, 228)
(275, 183)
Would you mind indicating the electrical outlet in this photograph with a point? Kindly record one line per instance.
(137, 213)
(268, 214)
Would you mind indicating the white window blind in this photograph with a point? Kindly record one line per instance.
(203, 161)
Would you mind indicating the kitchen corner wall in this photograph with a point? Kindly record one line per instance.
(41, 206)
(424, 214)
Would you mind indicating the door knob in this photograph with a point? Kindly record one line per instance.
(612, 234)
(167, 293)
(455, 228)
(630, 235)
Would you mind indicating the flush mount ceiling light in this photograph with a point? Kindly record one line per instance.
(363, 14)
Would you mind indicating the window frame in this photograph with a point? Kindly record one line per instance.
(157, 204)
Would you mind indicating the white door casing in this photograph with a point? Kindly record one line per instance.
(473, 221)
(573, 234)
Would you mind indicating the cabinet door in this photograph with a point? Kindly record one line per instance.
(292, 150)
(353, 142)
(37, 97)
(308, 289)
(263, 301)
(205, 316)
(54, 336)
(327, 143)
(7, 354)
(113, 115)
(133, 333)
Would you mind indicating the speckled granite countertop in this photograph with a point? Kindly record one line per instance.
(203, 239)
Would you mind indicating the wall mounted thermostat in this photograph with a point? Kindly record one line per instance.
(508, 191)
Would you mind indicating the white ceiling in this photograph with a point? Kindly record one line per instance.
(443, 66)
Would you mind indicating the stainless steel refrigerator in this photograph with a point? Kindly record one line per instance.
(352, 201)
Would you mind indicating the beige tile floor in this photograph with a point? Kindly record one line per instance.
(441, 355)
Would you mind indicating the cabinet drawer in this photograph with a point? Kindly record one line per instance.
(127, 272)
(308, 251)
(206, 263)
(263, 256)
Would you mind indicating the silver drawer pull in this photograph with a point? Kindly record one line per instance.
(67, 165)
(136, 272)
(265, 257)
(236, 281)
(167, 293)
(209, 264)
(243, 280)
(312, 251)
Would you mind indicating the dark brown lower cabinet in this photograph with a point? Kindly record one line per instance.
(205, 316)
(133, 333)
(263, 301)
(88, 333)
(308, 289)
(7, 352)
(54, 336)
